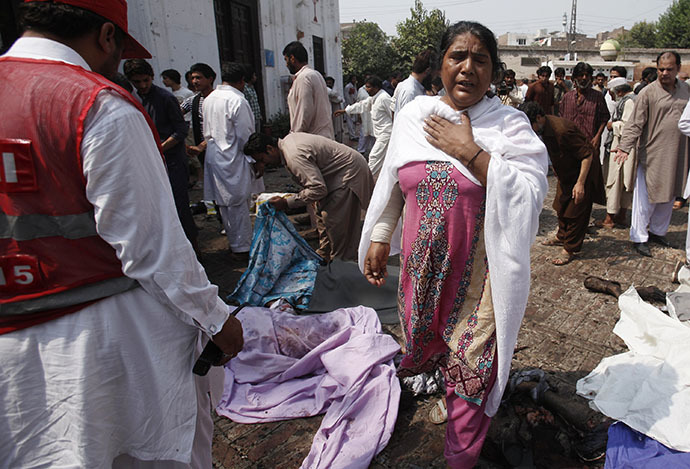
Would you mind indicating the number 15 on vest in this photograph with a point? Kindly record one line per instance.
(19, 272)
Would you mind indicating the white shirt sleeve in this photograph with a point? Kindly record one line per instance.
(127, 184)
(359, 107)
(684, 122)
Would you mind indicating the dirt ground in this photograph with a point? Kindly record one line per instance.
(567, 330)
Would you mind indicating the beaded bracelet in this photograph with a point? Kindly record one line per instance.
(471, 162)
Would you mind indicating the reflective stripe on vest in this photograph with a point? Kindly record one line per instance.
(75, 296)
(34, 226)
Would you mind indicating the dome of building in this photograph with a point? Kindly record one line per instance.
(609, 50)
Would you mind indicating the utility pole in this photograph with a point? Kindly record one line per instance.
(573, 31)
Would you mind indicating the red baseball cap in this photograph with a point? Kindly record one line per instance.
(114, 11)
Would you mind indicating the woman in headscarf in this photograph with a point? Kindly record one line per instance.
(468, 176)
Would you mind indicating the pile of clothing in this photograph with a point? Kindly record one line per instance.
(646, 388)
(339, 363)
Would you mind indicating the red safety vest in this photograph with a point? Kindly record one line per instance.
(52, 261)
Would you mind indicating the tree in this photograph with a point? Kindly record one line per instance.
(367, 50)
(642, 34)
(421, 30)
(673, 27)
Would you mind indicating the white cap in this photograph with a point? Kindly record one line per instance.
(616, 82)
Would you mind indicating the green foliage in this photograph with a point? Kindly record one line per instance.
(673, 27)
(421, 30)
(642, 34)
(367, 50)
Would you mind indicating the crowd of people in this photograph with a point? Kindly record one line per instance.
(108, 306)
(615, 144)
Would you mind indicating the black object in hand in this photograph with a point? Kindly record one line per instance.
(212, 354)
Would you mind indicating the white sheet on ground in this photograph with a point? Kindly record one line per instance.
(647, 387)
(339, 363)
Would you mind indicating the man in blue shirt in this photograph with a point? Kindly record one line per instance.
(165, 112)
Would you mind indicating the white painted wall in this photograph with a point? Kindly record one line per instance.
(289, 20)
(179, 33)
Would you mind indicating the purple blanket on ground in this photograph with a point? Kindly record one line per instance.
(630, 449)
(299, 366)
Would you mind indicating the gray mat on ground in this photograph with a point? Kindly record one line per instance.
(341, 285)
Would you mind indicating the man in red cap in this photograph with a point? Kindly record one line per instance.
(102, 300)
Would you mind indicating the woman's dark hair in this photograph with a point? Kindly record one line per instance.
(204, 69)
(296, 49)
(133, 67)
(484, 35)
(172, 74)
(533, 110)
(583, 68)
(257, 143)
(63, 21)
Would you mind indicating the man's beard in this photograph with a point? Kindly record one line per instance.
(583, 84)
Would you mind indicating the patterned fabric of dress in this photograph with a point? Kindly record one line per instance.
(281, 263)
(444, 294)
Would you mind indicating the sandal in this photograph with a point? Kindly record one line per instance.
(438, 413)
(604, 224)
(562, 259)
(552, 242)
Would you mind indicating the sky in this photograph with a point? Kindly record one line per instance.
(502, 16)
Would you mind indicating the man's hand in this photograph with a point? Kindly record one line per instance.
(620, 157)
(375, 263)
(596, 141)
(278, 202)
(193, 150)
(578, 192)
(229, 339)
(339, 112)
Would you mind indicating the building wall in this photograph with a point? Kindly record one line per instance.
(515, 57)
(179, 33)
(291, 20)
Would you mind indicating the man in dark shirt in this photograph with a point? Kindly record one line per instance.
(586, 107)
(165, 112)
(579, 179)
(542, 91)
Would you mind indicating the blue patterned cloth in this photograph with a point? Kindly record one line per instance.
(281, 263)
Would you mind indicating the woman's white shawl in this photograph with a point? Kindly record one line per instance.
(516, 187)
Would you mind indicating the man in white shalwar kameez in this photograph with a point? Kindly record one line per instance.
(379, 106)
(412, 87)
(108, 382)
(229, 176)
(366, 129)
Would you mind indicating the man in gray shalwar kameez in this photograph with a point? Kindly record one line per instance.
(662, 153)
